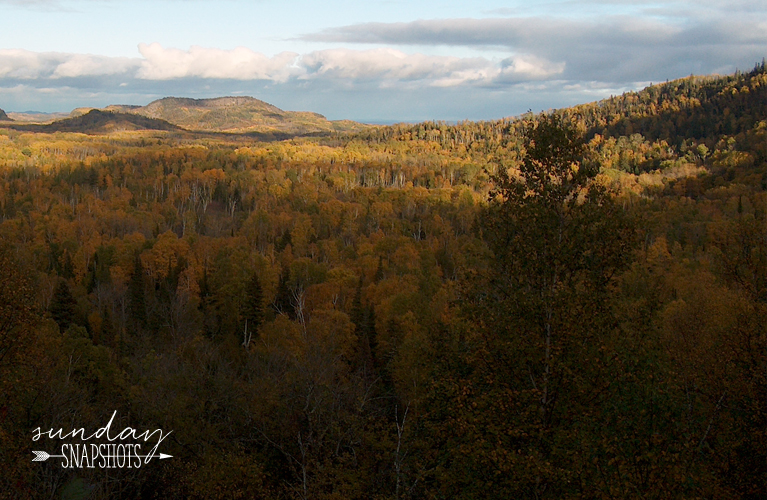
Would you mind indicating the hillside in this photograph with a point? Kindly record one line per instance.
(3, 116)
(699, 108)
(238, 115)
(686, 114)
(98, 122)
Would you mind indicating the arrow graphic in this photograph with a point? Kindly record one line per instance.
(42, 456)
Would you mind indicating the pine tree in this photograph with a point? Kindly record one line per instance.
(379, 271)
(282, 301)
(205, 291)
(363, 317)
(136, 295)
(253, 306)
(63, 304)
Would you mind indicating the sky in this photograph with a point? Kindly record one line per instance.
(372, 61)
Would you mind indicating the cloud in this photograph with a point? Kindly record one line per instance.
(392, 65)
(527, 67)
(510, 33)
(388, 65)
(384, 67)
(19, 64)
(78, 65)
(23, 64)
(239, 64)
(612, 49)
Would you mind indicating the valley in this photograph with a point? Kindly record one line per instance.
(569, 304)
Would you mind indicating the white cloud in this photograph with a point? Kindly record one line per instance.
(528, 67)
(19, 64)
(78, 65)
(24, 65)
(241, 63)
(388, 64)
(384, 67)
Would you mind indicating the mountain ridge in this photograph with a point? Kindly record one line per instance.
(696, 109)
(229, 114)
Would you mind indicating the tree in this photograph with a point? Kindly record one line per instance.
(282, 300)
(17, 310)
(363, 318)
(137, 302)
(30, 357)
(538, 318)
(63, 306)
(253, 312)
(558, 238)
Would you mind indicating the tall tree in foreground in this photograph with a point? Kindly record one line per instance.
(30, 353)
(533, 360)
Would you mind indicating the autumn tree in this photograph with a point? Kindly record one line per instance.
(538, 319)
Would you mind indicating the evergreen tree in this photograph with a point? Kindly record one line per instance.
(253, 307)
(379, 271)
(63, 304)
(207, 305)
(363, 318)
(136, 295)
(107, 327)
(205, 291)
(282, 301)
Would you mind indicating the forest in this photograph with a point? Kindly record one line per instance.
(570, 304)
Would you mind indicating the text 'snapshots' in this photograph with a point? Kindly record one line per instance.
(104, 448)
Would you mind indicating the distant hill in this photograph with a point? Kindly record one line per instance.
(122, 108)
(3, 116)
(115, 108)
(36, 116)
(234, 115)
(238, 115)
(98, 122)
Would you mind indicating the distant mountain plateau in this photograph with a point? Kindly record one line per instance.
(233, 115)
